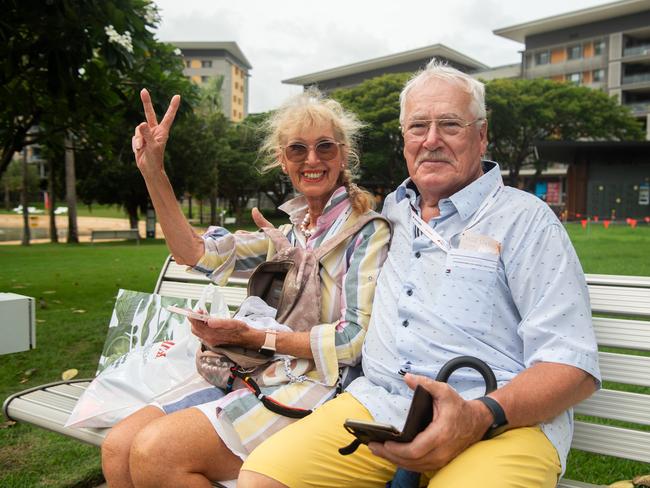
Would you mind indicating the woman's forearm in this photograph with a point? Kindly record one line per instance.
(185, 245)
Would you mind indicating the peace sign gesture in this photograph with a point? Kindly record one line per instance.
(151, 137)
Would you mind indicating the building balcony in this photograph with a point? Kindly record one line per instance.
(641, 50)
(636, 78)
(639, 108)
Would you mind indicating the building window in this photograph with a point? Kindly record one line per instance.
(206, 63)
(188, 63)
(236, 86)
(574, 52)
(574, 78)
(599, 47)
(204, 79)
(598, 74)
(543, 57)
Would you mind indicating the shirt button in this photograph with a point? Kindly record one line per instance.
(409, 292)
(405, 323)
(417, 254)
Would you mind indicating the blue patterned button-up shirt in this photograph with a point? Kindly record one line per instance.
(531, 305)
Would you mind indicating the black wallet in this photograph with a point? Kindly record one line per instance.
(419, 416)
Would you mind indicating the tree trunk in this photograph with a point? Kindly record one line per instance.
(189, 206)
(54, 236)
(71, 190)
(7, 196)
(132, 212)
(25, 203)
(213, 208)
(201, 211)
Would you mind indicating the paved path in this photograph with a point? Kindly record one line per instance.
(85, 225)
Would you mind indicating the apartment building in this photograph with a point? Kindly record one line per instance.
(605, 47)
(206, 60)
(405, 62)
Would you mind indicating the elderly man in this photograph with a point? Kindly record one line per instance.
(474, 268)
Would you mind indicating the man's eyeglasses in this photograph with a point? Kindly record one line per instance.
(419, 129)
(325, 151)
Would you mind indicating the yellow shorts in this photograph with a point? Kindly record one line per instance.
(305, 454)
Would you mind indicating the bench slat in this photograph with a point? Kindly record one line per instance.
(618, 405)
(233, 296)
(618, 280)
(620, 300)
(622, 443)
(43, 414)
(624, 368)
(71, 390)
(178, 272)
(631, 334)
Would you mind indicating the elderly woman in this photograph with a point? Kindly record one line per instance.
(312, 139)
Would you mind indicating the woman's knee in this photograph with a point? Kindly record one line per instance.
(116, 445)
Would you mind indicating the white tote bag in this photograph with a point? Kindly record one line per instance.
(148, 357)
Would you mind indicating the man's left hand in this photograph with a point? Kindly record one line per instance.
(456, 425)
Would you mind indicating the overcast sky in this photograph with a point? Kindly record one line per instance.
(287, 38)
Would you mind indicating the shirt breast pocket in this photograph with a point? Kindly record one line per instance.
(465, 297)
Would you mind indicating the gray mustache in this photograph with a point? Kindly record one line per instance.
(437, 155)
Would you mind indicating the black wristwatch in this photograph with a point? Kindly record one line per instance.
(500, 422)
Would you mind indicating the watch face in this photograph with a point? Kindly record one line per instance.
(267, 352)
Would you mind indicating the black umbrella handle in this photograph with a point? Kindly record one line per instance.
(469, 362)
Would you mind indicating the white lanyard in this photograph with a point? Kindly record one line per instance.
(436, 238)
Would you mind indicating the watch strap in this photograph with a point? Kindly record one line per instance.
(499, 422)
(268, 348)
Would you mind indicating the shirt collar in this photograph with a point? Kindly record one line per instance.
(467, 200)
(297, 207)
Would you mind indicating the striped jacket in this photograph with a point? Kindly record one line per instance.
(348, 276)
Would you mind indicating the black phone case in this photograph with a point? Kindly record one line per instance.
(419, 416)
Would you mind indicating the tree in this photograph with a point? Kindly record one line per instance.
(56, 55)
(107, 170)
(239, 177)
(376, 102)
(522, 112)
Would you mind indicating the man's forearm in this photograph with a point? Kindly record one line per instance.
(542, 392)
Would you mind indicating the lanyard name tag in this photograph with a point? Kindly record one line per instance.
(468, 259)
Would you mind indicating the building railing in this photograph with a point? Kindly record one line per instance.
(639, 108)
(636, 78)
(637, 50)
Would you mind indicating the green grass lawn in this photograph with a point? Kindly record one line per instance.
(75, 288)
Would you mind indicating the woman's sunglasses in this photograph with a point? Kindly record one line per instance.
(325, 151)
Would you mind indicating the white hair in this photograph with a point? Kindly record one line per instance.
(439, 70)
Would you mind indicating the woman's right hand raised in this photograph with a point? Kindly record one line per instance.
(151, 137)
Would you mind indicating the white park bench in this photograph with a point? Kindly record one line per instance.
(113, 234)
(49, 406)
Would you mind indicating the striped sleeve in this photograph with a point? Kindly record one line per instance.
(339, 343)
(225, 253)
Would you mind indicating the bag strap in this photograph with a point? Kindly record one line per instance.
(270, 403)
(280, 241)
(334, 241)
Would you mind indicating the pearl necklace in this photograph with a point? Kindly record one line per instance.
(304, 226)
